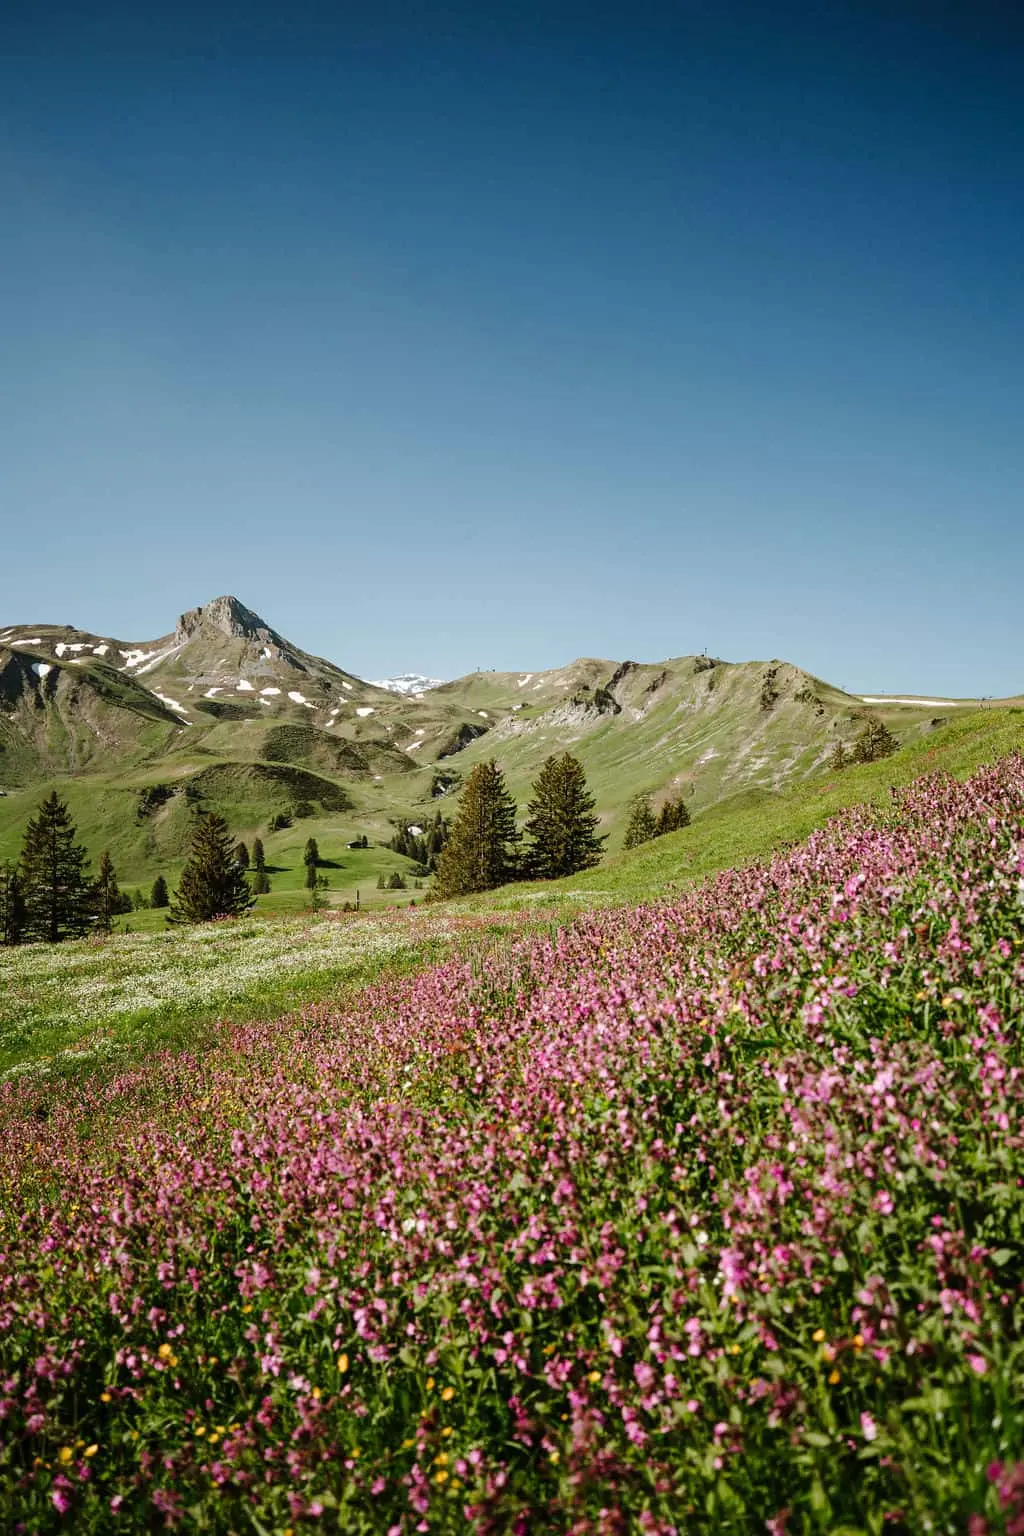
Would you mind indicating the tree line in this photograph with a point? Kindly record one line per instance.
(49, 894)
(485, 847)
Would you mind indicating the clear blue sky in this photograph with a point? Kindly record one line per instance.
(447, 341)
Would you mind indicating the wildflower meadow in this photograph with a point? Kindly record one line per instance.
(702, 1216)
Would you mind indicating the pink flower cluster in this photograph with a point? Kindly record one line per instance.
(700, 1216)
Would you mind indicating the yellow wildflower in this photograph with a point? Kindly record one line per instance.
(554, 1458)
(833, 1379)
(441, 1460)
(342, 1364)
(858, 1341)
(447, 1394)
(440, 1477)
(200, 1431)
(446, 1432)
(165, 1351)
(734, 1349)
(317, 1394)
(65, 1454)
(104, 1397)
(247, 1307)
(430, 1383)
(91, 1450)
(818, 1335)
(407, 1445)
(593, 1376)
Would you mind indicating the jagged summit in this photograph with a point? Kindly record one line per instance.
(227, 616)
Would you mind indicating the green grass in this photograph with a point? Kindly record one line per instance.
(755, 824)
(77, 1005)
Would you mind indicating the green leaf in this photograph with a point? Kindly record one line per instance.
(815, 1437)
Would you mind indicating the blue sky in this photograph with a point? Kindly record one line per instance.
(447, 341)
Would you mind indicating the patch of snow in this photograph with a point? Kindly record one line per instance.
(296, 697)
(65, 645)
(171, 703)
(212, 692)
(41, 667)
(265, 702)
(160, 656)
(348, 686)
(269, 692)
(418, 731)
(367, 709)
(518, 706)
(266, 653)
(100, 650)
(414, 746)
(524, 680)
(536, 686)
(416, 831)
(483, 714)
(881, 698)
(407, 683)
(36, 641)
(76, 661)
(132, 659)
(242, 686)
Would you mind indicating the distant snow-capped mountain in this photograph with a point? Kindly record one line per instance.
(408, 683)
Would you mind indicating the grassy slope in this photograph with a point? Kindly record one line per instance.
(755, 824)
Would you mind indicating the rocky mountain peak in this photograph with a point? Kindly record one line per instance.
(225, 616)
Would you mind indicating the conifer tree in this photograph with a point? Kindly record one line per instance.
(212, 885)
(874, 741)
(642, 824)
(158, 896)
(311, 855)
(241, 855)
(107, 900)
(260, 882)
(12, 905)
(259, 861)
(480, 851)
(672, 816)
(54, 875)
(562, 824)
(838, 758)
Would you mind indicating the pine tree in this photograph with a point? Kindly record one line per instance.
(12, 905)
(642, 824)
(260, 882)
(561, 823)
(54, 875)
(241, 855)
(312, 852)
(158, 896)
(672, 816)
(259, 860)
(838, 758)
(874, 741)
(107, 900)
(480, 851)
(212, 885)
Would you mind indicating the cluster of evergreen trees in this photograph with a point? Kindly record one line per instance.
(485, 847)
(426, 847)
(643, 824)
(49, 894)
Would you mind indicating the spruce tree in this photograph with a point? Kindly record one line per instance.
(874, 741)
(12, 905)
(241, 855)
(838, 758)
(212, 885)
(672, 816)
(642, 824)
(480, 850)
(54, 875)
(259, 861)
(311, 854)
(260, 882)
(561, 824)
(107, 900)
(158, 896)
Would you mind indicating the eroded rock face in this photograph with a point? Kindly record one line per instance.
(227, 616)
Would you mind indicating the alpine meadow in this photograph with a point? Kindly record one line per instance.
(511, 1013)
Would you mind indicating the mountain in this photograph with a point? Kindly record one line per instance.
(413, 683)
(224, 712)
